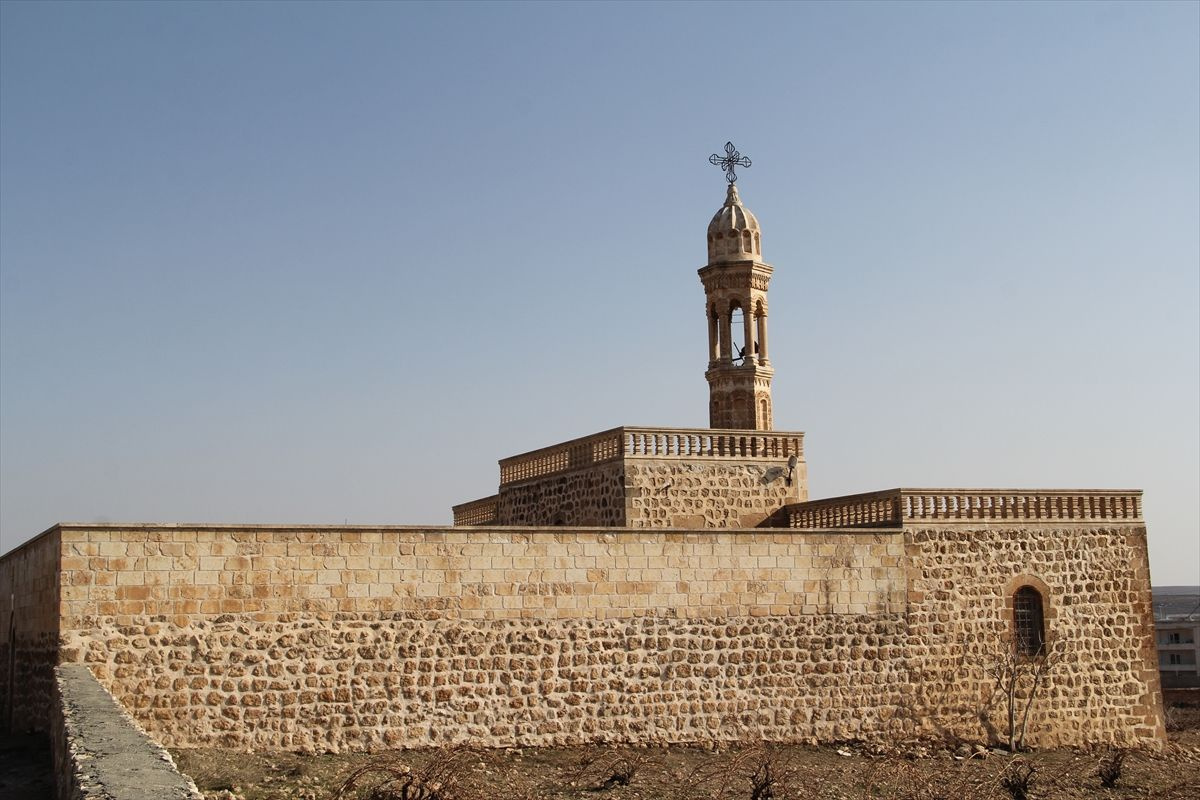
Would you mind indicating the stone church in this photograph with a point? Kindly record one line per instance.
(639, 584)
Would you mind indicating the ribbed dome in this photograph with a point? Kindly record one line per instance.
(733, 234)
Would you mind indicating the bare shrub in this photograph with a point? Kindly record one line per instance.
(1020, 679)
(763, 781)
(1110, 768)
(902, 779)
(761, 772)
(602, 768)
(387, 778)
(1182, 717)
(1017, 778)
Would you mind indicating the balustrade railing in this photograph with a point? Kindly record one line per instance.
(710, 443)
(899, 506)
(477, 512)
(658, 443)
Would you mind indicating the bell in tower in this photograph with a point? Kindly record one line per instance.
(735, 292)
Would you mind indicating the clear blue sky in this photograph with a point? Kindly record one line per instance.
(312, 263)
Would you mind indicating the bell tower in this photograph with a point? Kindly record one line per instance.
(735, 293)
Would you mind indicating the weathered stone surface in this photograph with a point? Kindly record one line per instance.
(591, 496)
(373, 681)
(99, 751)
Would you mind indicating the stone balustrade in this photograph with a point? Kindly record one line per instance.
(562, 457)
(710, 443)
(656, 443)
(872, 509)
(478, 512)
(895, 507)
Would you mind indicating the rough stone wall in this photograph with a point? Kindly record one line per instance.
(708, 494)
(1095, 583)
(369, 681)
(590, 496)
(29, 614)
(653, 493)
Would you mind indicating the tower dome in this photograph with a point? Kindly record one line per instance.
(733, 233)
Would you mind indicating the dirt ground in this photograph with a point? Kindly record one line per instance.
(691, 773)
(26, 768)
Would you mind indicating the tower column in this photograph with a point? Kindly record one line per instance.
(762, 338)
(714, 339)
(748, 326)
(725, 322)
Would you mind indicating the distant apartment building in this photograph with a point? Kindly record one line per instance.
(1177, 633)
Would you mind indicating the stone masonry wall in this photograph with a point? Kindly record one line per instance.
(365, 681)
(29, 614)
(589, 496)
(680, 493)
(328, 638)
(655, 493)
(1095, 584)
(331, 639)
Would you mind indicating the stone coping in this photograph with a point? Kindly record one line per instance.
(881, 527)
(234, 527)
(100, 753)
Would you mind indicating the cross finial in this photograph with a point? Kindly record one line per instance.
(729, 161)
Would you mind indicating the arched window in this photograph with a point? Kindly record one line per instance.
(1029, 621)
(737, 330)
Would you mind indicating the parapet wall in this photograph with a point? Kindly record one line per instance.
(648, 478)
(336, 638)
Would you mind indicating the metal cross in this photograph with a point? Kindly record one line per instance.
(731, 159)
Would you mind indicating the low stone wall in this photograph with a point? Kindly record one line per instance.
(99, 751)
